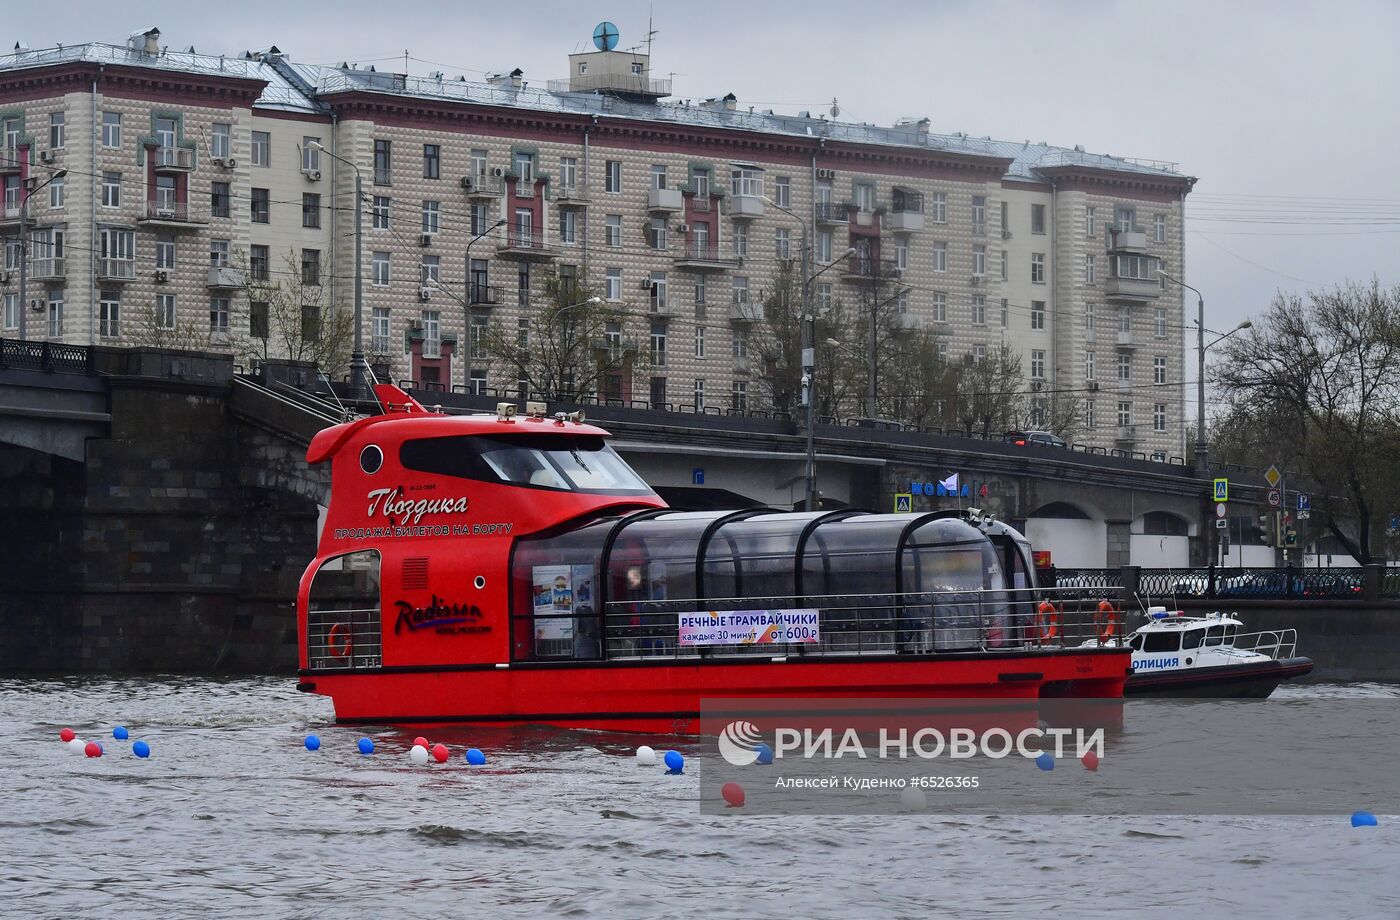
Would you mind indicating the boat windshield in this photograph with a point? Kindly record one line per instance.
(583, 463)
(1162, 642)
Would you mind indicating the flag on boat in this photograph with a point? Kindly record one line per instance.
(950, 484)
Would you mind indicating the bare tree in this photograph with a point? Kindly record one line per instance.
(291, 316)
(778, 342)
(918, 385)
(991, 392)
(156, 331)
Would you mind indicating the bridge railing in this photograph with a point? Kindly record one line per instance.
(1289, 583)
(22, 354)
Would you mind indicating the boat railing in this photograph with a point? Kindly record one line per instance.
(910, 623)
(1275, 643)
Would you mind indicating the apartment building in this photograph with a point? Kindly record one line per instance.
(184, 171)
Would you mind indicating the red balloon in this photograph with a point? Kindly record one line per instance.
(421, 742)
(93, 749)
(439, 753)
(1090, 760)
(733, 794)
(66, 735)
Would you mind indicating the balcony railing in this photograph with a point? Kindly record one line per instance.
(626, 84)
(705, 255)
(746, 312)
(833, 212)
(866, 268)
(745, 206)
(570, 196)
(174, 158)
(1132, 289)
(484, 295)
(1126, 240)
(527, 243)
(224, 276)
(9, 159)
(665, 199)
(116, 269)
(9, 212)
(174, 213)
(48, 268)
(483, 186)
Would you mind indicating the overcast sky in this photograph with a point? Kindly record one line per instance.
(1283, 110)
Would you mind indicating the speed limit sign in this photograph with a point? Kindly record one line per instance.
(1274, 498)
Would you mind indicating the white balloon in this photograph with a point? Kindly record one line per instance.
(913, 799)
(646, 757)
(77, 745)
(418, 755)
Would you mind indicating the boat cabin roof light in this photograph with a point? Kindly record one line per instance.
(535, 409)
(505, 411)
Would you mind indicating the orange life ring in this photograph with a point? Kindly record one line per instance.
(338, 640)
(1108, 619)
(1047, 621)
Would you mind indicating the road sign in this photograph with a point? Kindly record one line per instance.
(1272, 476)
(1222, 490)
(1273, 497)
(903, 503)
(697, 476)
(1221, 524)
(1304, 501)
(1220, 510)
(1304, 515)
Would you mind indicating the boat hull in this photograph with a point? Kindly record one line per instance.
(1253, 680)
(665, 696)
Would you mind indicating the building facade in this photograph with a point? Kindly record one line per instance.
(187, 173)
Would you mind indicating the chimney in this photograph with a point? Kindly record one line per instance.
(146, 40)
(731, 102)
(515, 77)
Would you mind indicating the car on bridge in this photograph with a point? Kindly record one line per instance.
(1035, 439)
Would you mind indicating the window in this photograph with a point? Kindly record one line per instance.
(739, 395)
(56, 130)
(1038, 218)
(1089, 415)
(1005, 220)
(311, 210)
(429, 270)
(782, 192)
(262, 148)
(111, 190)
(612, 230)
(940, 307)
(481, 222)
(741, 289)
(1089, 370)
(568, 227)
(1125, 414)
(700, 296)
(1037, 364)
(258, 262)
(823, 298)
(1159, 228)
(380, 220)
(741, 240)
(522, 333)
(383, 163)
(432, 160)
(568, 172)
(658, 176)
(979, 310)
(1125, 367)
(218, 253)
(1159, 370)
(379, 269)
(901, 254)
(55, 313)
(478, 381)
(1088, 317)
(940, 257)
(1159, 323)
(165, 251)
(979, 261)
(740, 344)
(979, 354)
(115, 246)
(658, 344)
(220, 199)
(659, 300)
(1005, 313)
(824, 246)
(1125, 319)
(938, 208)
(1125, 218)
(782, 243)
(864, 196)
(478, 163)
(701, 179)
(218, 315)
(1037, 268)
(10, 128)
(1141, 268)
(1159, 417)
(310, 154)
(1089, 225)
(1038, 314)
(658, 392)
(612, 289)
(1089, 266)
(57, 189)
(311, 266)
(432, 216)
(109, 315)
(700, 342)
(979, 215)
(612, 176)
(261, 206)
(11, 311)
(699, 395)
(1005, 266)
(656, 233)
(479, 331)
(220, 141)
(165, 202)
(746, 180)
(379, 331)
(111, 129)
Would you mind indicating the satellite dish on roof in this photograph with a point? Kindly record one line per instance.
(605, 36)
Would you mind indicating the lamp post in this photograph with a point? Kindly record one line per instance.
(24, 251)
(357, 356)
(470, 301)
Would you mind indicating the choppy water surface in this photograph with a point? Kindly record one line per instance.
(232, 817)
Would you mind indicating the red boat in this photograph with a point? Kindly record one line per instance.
(508, 568)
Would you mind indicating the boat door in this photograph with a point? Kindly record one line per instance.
(1160, 650)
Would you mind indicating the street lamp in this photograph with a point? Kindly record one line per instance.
(470, 301)
(24, 251)
(357, 357)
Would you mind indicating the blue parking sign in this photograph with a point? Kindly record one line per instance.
(1304, 502)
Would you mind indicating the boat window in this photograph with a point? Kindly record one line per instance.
(756, 557)
(1135, 643)
(1192, 638)
(1229, 634)
(1215, 635)
(343, 626)
(1162, 642)
(576, 463)
(554, 604)
(959, 581)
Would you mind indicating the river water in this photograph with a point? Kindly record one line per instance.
(233, 817)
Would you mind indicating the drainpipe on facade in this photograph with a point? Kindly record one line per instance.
(1181, 269)
(92, 215)
(335, 211)
(1054, 288)
(588, 211)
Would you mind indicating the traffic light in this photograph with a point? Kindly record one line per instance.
(1290, 537)
(1268, 530)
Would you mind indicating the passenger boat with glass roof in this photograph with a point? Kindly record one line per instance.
(513, 569)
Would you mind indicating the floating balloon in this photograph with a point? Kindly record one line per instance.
(646, 757)
(77, 745)
(141, 749)
(476, 758)
(120, 733)
(912, 798)
(366, 746)
(419, 755)
(1363, 819)
(1090, 760)
(733, 795)
(675, 763)
(93, 749)
(765, 754)
(421, 742)
(439, 753)
(1045, 761)
(313, 743)
(66, 735)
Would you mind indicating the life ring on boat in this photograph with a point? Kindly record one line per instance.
(1047, 621)
(338, 640)
(1108, 620)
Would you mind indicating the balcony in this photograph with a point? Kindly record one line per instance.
(484, 295)
(9, 214)
(833, 212)
(1134, 241)
(528, 245)
(570, 196)
(10, 159)
(1127, 341)
(741, 364)
(745, 207)
(904, 221)
(48, 269)
(223, 276)
(1090, 336)
(1126, 435)
(858, 269)
(746, 312)
(665, 200)
(173, 159)
(173, 216)
(1138, 290)
(705, 258)
(908, 322)
(116, 269)
(483, 186)
(618, 84)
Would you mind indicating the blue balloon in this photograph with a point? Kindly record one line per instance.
(765, 754)
(141, 749)
(1045, 761)
(366, 746)
(120, 733)
(676, 763)
(475, 757)
(1363, 819)
(313, 743)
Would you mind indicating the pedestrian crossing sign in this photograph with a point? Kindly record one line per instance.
(1222, 490)
(903, 503)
